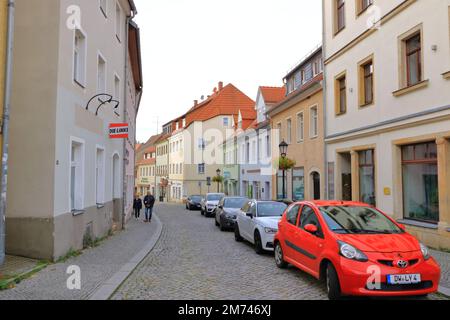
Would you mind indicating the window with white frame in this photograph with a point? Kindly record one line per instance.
(300, 127)
(268, 153)
(103, 7)
(226, 122)
(117, 87)
(76, 176)
(314, 126)
(289, 131)
(100, 176)
(201, 168)
(79, 58)
(118, 22)
(101, 74)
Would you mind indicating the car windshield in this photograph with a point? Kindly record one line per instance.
(235, 203)
(196, 198)
(271, 209)
(358, 220)
(214, 197)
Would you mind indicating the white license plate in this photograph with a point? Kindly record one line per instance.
(404, 279)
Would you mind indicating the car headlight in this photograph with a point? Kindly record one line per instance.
(350, 252)
(425, 252)
(270, 230)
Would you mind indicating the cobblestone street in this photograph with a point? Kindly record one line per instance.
(194, 260)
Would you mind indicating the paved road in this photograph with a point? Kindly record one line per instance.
(194, 260)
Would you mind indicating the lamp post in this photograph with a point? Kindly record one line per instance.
(218, 179)
(283, 152)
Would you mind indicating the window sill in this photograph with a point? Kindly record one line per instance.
(338, 31)
(78, 212)
(365, 105)
(341, 114)
(446, 75)
(361, 11)
(420, 224)
(412, 88)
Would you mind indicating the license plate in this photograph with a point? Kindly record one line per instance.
(404, 279)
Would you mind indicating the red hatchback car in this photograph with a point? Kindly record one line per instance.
(356, 248)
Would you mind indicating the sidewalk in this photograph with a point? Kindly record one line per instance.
(98, 265)
(443, 258)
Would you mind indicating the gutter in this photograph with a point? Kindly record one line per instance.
(324, 112)
(5, 126)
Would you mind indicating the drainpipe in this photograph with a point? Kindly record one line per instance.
(124, 146)
(5, 128)
(324, 108)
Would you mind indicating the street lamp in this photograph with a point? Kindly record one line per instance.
(283, 152)
(218, 179)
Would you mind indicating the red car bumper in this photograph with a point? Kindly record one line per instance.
(356, 278)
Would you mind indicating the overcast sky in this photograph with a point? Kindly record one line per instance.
(188, 46)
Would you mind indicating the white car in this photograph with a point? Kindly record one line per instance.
(210, 202)
(257, 222)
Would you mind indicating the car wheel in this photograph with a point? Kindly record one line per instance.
(333, 287)
(202, 212)
(258, 243)
(279, 257)
(222, 228)
(237, 234)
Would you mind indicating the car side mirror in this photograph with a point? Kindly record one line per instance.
(250, 215)
(311, 228)
(220, 207)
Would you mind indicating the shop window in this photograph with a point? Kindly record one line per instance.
(367, 177)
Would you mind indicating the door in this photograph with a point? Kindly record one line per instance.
(249, 223)
(309, 246)
(346, 187)
(290, 230)
(316, 185)
(242, 218)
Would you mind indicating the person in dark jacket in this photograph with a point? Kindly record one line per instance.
(149, 202)
(137, 206)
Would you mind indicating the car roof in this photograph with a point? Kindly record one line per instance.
(336, 203)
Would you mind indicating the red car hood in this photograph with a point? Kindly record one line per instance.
(383, 243)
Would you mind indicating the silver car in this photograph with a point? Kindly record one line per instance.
(209, 204)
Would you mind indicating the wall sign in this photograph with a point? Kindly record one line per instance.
(101, 100)
(118, 131)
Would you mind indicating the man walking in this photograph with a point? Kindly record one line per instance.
(149, 202)
(137, 206)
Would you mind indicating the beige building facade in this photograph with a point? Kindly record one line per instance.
(387, 110)
(65, 173)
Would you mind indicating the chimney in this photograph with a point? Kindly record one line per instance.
(215, 90)
(220, 86)
(195, 103)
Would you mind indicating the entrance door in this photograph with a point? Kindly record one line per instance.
(316, 185)
(347, 187)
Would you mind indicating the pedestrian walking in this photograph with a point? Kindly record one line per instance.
(137, 206)
(149, 202)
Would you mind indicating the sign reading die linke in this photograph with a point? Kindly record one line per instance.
(118, 131)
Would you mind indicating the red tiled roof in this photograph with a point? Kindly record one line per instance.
(145, 162)
(273, 95)
(228, 101)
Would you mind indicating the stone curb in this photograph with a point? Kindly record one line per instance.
(107, 289)
(444, 291)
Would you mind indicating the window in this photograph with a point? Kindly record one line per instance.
(201, 168)
(420, 182)
(300, 127)
(103, 7)
(366, 71)
(289, 131)
(118, 22)
(100, 177)
(298, 184)
(340, 15)
(292, 214)
(309, 217)
(268, 153)
(279, 132)
(367, 177)
(413, 60)
(76, 176)
(79, 58)
(314, 129)
(341, 95)
(226, 122)
(362, 5)
(101, 74)
(201, 144)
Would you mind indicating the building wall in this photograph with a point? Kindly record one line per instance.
(176, 158)
(309, 153)
(162, 161)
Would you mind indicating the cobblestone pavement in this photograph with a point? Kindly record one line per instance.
(194, 260)
(97, 265)
(443, 259)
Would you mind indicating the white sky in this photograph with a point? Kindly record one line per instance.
(188, 46)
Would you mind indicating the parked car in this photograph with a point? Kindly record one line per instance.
(226, 212)
(194, 202)
(356, 248)
(210, 203)
(257, 222)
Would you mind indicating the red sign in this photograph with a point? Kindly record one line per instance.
(118, 130)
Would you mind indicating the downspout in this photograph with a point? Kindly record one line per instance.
(324, 107)
(5, 128)
(124, 146)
